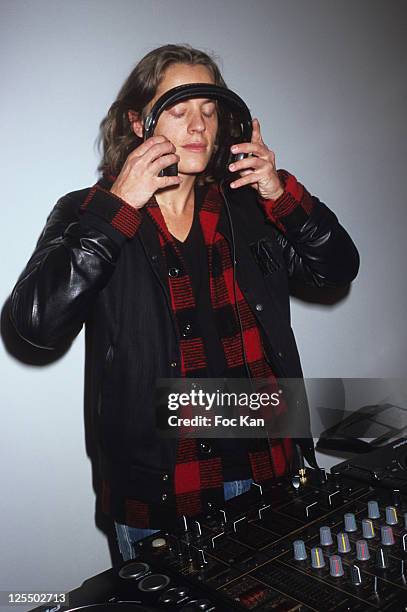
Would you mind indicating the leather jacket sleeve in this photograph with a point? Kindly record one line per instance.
(74, 259)
(317, 249)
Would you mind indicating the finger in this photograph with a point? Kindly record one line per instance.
(163, 162)
(256, 134)
(158, 150)
(145, 146)
(246, 180)
(250, 147)
(247, 162)
(167, 181)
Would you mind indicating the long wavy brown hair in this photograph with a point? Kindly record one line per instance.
(117, 138)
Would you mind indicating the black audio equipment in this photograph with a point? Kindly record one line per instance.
(316, 542)
(386, 466)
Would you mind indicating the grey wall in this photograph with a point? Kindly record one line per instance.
(327, 81)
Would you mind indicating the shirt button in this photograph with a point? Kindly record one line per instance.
(164, 496)
(205, 447)
(154, 257)
(187, 330)
(174, 272)
(173, 364)
(259, 307)
(165, 476)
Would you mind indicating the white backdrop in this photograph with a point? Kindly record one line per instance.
(327, 81)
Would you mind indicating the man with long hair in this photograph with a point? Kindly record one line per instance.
(144, 261)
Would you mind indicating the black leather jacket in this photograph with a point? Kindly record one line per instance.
(85, 271)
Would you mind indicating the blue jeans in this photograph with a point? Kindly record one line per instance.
(128, 536)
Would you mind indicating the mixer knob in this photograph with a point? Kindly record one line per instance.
(184, 523)
(387, 536)
(198, 604)
(367, 529)
(362, 550)
(343, 542)
(382, 559)
(201, 558)
(355, 575)
(396, 497)
(373, 511)
(134, 570)
(215, 539)
(198, 529)
(317, 558)
(153, 582)
(335, 566)
(158, 543)
(325, 536)
(174, 595)
(295, 481)
(300, 554)
(350, 522)
(322, 476)
(391, 515)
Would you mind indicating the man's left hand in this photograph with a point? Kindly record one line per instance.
(258, 170)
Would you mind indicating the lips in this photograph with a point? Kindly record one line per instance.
(198, 147)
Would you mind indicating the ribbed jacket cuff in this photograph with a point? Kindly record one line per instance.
(293, 207)
(113, 210)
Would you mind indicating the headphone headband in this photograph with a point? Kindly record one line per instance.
(198, 90)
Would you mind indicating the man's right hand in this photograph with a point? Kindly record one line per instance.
(138, 179)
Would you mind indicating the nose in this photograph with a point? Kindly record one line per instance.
(196, 122)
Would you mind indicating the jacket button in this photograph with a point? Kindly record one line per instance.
(174, 272)
(154, 257)
(259, 307)
(205, 447)
(165, 476)
(187, 330)
(164, 496)
(173, 364)
(280, 354)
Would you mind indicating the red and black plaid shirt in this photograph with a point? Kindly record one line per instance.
(198, 480)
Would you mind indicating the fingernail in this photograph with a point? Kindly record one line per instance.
(232, 185)
(235, 149)
(232, 166)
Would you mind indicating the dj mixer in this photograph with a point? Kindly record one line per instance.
(316, 542)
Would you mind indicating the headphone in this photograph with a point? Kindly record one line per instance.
(235, 106)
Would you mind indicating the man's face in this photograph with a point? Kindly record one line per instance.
(190, 125)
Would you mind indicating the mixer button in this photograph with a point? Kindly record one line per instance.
(373, 511)
(368, 529)
(154, 582)
(362, 550)
(325, 536)
(317, 558)
(300, 554)
(335, 566)
(391, 515)
(350, 522)
(343, 542)
(387, 535)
